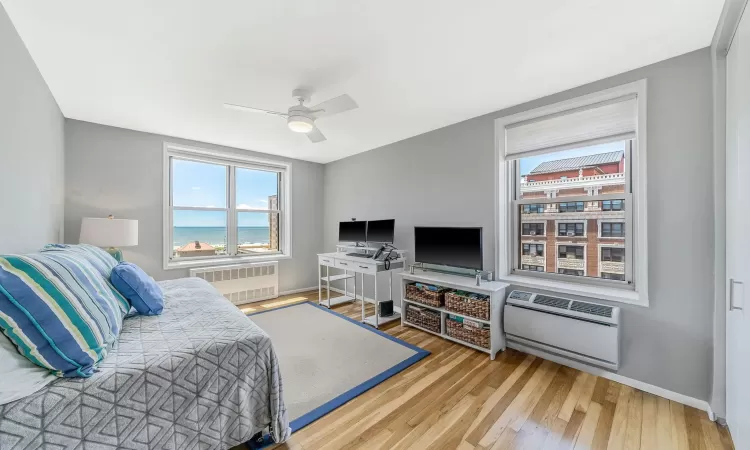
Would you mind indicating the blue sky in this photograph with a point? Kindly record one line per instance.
(201, 184)
(528, 164)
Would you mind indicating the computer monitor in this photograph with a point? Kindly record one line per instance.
(380, 231)
(353, 231)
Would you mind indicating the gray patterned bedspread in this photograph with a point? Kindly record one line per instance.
(201, 375)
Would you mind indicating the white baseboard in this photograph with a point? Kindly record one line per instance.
(297, 291)
(645, 387)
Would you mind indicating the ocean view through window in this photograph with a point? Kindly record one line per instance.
(217, 236)
(223, 208)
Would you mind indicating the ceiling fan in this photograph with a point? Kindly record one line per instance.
(300, 118)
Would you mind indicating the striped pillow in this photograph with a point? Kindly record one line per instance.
(100, 259)
(59, 311)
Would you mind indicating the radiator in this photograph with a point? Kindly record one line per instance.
(243, 283)
(584, 331)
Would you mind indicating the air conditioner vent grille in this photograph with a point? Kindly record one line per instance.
(591, 308)
(552, 302)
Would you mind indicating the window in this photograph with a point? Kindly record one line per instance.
(570, 251)
(533, 208)
(613, 254)
(609, 229)
(532, 229)
(533, 249)
(533, 268)
(222, 207)
(570, 207)
(612, 205)
(586, 157)
(574, 272)
(570, 229)
(613, 276)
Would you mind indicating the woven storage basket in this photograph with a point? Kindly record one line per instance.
(468, 333)
(474, 307)
(423, 317)
(426, 296)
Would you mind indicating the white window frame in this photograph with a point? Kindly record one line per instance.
(233, 160)
(636, 228)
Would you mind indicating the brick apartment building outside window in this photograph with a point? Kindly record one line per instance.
(585, 238)
(579, 168)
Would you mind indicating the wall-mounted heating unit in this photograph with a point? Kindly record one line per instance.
(243, 283)
(587, 332)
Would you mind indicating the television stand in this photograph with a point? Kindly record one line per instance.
(494, 289)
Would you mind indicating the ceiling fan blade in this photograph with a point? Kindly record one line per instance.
(249, 109)
(316, 136)
(336, 105)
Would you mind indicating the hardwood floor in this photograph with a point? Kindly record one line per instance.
(457, 398)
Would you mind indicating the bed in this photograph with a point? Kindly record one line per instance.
(200, 375)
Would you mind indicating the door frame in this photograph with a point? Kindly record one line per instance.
(722, 39)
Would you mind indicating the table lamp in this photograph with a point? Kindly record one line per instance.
(109, 233)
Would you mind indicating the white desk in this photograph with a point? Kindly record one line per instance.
(351, 267)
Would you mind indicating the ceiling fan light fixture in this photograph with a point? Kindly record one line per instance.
(300, 124)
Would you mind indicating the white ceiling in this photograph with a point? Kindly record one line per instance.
(167, 66)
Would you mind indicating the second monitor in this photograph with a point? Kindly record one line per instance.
(380, 231)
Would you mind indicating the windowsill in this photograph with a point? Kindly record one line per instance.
(224, 261)
(589, 291)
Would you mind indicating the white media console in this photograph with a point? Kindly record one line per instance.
(495, 289)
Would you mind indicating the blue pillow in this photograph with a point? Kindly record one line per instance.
(140, 289)
(59, 311)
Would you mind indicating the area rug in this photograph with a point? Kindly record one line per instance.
(328, 359)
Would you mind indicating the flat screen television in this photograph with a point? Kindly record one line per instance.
(449, 246)
(380, 231)
(353, 231)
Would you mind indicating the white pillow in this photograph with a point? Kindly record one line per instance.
(20, 376)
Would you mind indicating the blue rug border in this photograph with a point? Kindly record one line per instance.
(360, 389)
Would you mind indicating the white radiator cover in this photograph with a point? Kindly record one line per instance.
(557, 325)
(243, 283)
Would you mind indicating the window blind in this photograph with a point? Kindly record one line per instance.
(597, 123)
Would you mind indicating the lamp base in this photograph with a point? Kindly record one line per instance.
(115, 252)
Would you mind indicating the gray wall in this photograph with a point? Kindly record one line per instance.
(445, 177)
(117, 171)
(31, 150)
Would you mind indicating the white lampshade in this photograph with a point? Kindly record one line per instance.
(109, 232)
